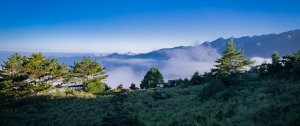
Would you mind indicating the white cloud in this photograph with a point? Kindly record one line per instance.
(260, 60)
(181, 64)
(125, 76)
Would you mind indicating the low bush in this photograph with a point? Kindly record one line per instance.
(160, 95)
(211, 90)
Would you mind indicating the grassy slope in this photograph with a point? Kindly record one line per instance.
(251, 103)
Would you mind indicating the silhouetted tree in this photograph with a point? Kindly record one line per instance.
(120, 87)
(133, 87)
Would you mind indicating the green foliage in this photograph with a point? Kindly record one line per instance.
(179, 82)
(120, 119)
(119, 100)
(160, 95)
(211, 90)
(22, 76)
(87, 69)
(13, 68)
(234, 98)
(252, 103)
(152, 78)
(276, 87)
(295, 71)
(274, 115)
(276, 66)
(90, 73)
(119, 89)
(95, 86)
(275, 58)
(291, 65)
(232, 61)
(232, 79)
(287, 68)
(197, 79)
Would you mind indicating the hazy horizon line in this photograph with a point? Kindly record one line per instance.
(122, 52)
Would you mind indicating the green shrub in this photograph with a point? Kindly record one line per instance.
(276, 87)
(277, 115)
(119, 99)
(295, 71)
(211, 90)
(120, 119)
(197, 79)
(160, 95)
(232, 79)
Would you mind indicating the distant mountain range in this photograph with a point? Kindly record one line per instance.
(253, 46)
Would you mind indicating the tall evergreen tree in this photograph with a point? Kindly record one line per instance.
(87, 70)
(29, 75)
(232, 60)
(152, 78)
(13, 68)
(39, 68)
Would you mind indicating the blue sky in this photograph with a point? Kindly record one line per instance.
(136, 25)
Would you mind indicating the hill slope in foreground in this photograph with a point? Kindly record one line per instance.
(252, 102)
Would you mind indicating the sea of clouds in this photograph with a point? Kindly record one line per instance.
(181, 64)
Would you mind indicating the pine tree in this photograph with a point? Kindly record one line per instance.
(23, 75)
(13, 68)
(152, 78)
(87, 70)
(39, 68)
(232, 61)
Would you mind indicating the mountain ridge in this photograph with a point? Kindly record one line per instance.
(253, 46)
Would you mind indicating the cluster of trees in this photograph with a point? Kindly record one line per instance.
(232, 62)
(23, 76)
(27, 76)
(232, 66)
(287, 67)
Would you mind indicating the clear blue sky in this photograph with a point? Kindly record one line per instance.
(136, 25)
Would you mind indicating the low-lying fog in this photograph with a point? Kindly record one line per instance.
(181, 64)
